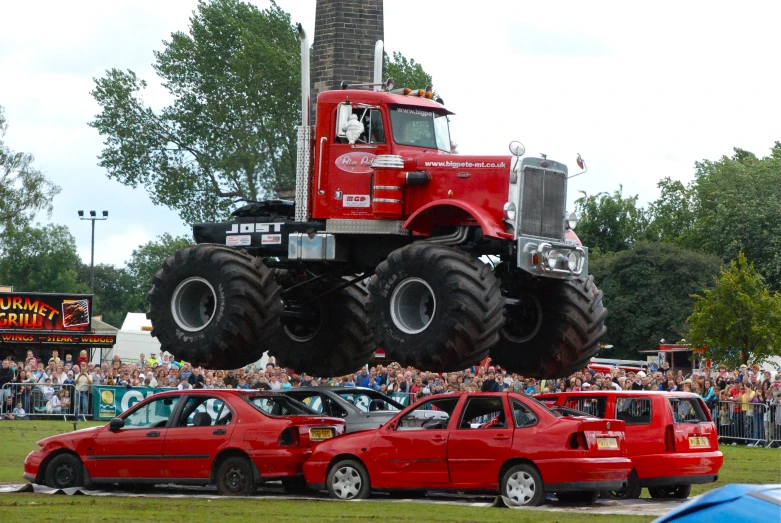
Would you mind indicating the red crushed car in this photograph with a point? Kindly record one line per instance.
(234, 438)
(670, 437)
(476, 441)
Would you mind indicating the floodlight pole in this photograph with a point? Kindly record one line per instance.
(93, 218)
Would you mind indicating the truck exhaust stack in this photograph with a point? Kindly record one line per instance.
(305, 89)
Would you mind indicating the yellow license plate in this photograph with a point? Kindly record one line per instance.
(607, 443)
(321, 433)
(698, 441)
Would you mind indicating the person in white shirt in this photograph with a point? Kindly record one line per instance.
(150, 378)
(184, 385)
(47, 389)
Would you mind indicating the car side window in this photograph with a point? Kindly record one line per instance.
(522, 415)
(483, 413)
(204, 411)
(591, 405)
(431, 415)
(373, 128)
(314, 401)
(154, 414)
(634, 411)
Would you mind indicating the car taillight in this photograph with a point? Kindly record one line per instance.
(669, 439)
(578, 441)
(288, 437)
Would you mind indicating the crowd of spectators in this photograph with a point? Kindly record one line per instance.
(734, 396)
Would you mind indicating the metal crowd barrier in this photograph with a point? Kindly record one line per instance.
(758, 424)
(35, 400)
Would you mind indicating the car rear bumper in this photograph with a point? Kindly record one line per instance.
(560, 475)
(656, 468)
(314, 473)
(32, 465)
(280, 463)
(670, 481)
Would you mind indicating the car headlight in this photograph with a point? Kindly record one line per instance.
(553, 258)
(509, 211)
(572, 261)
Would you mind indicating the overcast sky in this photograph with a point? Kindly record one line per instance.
(641, 90)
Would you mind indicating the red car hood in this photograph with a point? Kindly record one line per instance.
(71, 437)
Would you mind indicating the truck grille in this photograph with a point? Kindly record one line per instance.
(542, 203)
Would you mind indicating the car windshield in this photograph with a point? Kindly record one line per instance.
(280, 406)
(420, 127)
(370, 401)
(546, 407)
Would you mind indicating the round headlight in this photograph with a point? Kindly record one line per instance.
(572, 220)
(509, 211)
(572, 261)
(553, 257)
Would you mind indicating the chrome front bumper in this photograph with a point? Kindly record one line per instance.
(552, 259)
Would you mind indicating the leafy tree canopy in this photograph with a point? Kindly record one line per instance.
(739, 320)
(35, 258)
(738, 209)
(609, 222)
(406, 72)
(229, 133)
(24, 190)
(648, 292)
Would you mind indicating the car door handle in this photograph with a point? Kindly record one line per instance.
(501, 436)
(220, 432)
(152, 434)
(438, 438)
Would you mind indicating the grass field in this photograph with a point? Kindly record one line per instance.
(742, 465)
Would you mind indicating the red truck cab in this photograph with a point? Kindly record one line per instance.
(670, 437)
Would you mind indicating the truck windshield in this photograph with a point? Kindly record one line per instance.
(420, 127)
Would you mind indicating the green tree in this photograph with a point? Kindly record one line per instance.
(146, 261)
(672, 216)
(609, 222)
(24, 190)
(406, 72)
(40, 259)
(114, 292)
(739, 320)
(230, 134)
(648, 292)
(738, 209)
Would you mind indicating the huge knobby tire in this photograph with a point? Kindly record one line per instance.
(214, 306)
(339, 341)
(435, 307)
(553, 330)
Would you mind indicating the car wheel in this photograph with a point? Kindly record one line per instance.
(235, 478)
(583, 497)
(64, 471)
(632, 489)
(348, 479)
(523, 484)
(670, 492)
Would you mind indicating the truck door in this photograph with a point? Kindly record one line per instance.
(348, 166)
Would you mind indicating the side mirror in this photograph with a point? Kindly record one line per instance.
(342, 115)
(116, 424)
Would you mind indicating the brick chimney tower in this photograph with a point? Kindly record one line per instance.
(345, 34)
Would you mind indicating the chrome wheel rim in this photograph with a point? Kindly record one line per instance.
(413, 305)
(193, 304)
(521, 488)
(346, 482)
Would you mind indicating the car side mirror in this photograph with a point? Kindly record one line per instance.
(342, 116)
(116, 424)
